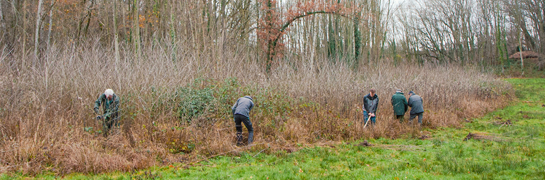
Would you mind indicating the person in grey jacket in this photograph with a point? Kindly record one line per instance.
(417, 107)
(370, 106)
(241, 112)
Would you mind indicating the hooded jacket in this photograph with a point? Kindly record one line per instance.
(243, 106)
(370, 103)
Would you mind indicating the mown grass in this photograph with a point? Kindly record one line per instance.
(512, 152)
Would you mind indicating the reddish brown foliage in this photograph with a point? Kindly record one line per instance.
(272, 27)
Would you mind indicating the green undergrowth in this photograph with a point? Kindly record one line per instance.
(504, 151)
(207, 100)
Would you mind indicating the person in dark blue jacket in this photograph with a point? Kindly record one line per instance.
(241, 112)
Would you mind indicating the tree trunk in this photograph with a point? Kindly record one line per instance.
(37, 34)
(270, 47)
(116, 42)
(136, 36)
(520, 53)
(331, 40)
(50, 23)
(24, 35)
(1, 16)
(14, 23)
(357, 41)
(172, 34)
(223, 31)
(82, 20)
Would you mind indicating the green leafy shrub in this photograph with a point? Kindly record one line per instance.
(193, 101)
(211, 100)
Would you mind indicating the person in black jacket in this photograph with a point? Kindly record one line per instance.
(370, 106)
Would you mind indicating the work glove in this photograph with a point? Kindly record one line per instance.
(99, 117)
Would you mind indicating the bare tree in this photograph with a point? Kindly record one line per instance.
(2, 25)
(116, 43)
(136, 32)
(24, 34)
(50, 23)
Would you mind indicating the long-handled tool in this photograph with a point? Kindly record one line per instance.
(366, 122)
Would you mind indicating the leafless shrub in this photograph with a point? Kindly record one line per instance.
(45, 108)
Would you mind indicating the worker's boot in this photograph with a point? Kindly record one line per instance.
(239, 138)
(250, 137)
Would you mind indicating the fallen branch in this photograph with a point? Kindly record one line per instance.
(260, 152)
(502, 123)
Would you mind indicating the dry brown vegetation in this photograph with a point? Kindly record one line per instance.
(45, 108)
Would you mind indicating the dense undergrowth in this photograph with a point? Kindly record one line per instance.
(502, 151)
(179, 111)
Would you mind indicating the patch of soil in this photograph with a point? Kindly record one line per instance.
(424, 137)
(478, 136)
(183, 159)
(365, 143)
(289, 150)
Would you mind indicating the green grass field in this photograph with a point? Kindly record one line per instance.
(499, 151)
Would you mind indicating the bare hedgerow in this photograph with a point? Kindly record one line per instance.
(46, 117)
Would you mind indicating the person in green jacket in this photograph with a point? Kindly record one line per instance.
(110, 108)
(399, 102)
